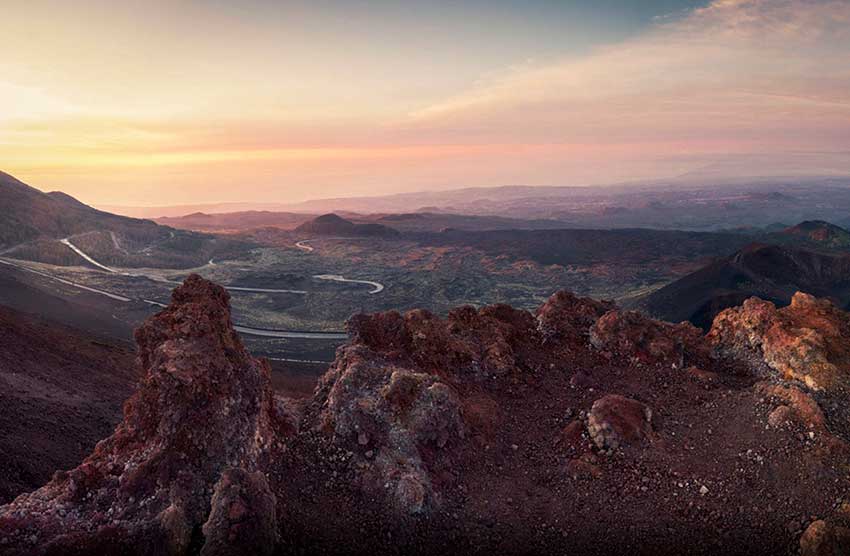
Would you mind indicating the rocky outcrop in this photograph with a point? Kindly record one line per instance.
(805, 341)
(487, 429)
(565, 315)
(647, 341)
(795, 406)
(242, 521)
(204, 405)
(388, 415)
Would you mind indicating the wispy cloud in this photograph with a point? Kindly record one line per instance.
(735, 68)
(742, 80)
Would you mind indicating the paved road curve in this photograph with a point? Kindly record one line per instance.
(294, 334)
(85, 256)
(377, 287)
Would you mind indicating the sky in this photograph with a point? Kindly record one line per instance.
(173, 102)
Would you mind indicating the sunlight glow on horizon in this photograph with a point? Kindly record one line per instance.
(197, 102)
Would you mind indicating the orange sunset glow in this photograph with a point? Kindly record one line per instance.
(121, 104)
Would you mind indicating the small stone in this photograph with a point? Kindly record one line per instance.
(819, 539)
(780, 416)
(703, 490)
(580, 469)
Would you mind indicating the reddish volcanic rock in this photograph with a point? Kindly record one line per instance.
(800, 407)
(242, 521)
(482, 343)
(807, 341)
(565, 315)
(581, 469)
(627, 333)
(203, 405)
(458, 435)
(616, 421)
(393, 414)
(570, 436)
(822, 538)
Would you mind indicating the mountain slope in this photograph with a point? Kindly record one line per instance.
(820, 233)
(771, 272)
(30, 214)
(33, 221)
(61, 391)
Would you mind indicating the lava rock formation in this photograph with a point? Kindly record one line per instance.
(579, 428)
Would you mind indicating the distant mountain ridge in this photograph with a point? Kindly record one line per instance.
(241, 220)
(706, 203)
(334, 225)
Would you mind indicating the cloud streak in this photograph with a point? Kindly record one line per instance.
(735, 68)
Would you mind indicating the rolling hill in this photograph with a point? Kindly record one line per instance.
(820, 234)
(577, 246)
(61, 390)
(235, 221)
(33, 221)
(31, 214)
(771, 272)
(334, 225)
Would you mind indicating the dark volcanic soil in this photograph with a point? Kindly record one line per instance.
(61, 391)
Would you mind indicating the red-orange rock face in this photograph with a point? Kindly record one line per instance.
(627, 333)
(806, 341)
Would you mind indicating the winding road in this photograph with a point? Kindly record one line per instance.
(377, 286)
(70, 283)
(303, 245)
(251, 331)
(85, 256)
(80, 252)
(268, 333)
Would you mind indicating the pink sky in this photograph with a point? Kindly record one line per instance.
(117, 110)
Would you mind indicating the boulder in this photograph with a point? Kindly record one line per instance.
(616, 421)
